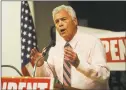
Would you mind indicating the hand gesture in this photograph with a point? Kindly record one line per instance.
(71, 56)
(35, 56)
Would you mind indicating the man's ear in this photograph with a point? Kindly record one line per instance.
(75, 21)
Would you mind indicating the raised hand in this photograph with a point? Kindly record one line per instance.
(71, 56)
(35, 56)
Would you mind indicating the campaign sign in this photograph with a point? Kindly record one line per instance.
(115, 49)
(27, 83)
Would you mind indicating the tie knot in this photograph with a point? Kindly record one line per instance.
(67, 44)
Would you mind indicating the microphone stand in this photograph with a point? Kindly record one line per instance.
(52, 43)
(13, 68)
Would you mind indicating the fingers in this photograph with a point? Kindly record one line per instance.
(69, 54)
(32, 54)
(33, 51)
(68, 50)
(67, 57)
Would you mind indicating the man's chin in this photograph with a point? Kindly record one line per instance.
(65, 37)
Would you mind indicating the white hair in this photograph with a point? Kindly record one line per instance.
(69, 9)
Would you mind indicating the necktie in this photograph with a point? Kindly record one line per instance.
(66, 71)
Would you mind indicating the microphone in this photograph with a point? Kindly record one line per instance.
(53, 34)
(53, 40)
(13, 68)
(51, 44)
(43, 54)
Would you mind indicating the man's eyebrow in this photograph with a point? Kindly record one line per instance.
(64, 17)
(60, 18)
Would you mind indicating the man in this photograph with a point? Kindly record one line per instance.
(78, 60)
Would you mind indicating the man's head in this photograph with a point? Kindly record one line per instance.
(65, 21)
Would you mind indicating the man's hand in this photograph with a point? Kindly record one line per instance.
(71, 56)
(35, 56)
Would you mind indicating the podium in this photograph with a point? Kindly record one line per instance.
(31, 83)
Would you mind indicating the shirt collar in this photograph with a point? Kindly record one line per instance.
(74, 40)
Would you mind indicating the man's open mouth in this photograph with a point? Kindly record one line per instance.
(62, 30)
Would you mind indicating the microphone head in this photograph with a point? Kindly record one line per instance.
(53, 43)
(53, 35)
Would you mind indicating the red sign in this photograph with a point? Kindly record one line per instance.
(115, 49)
(27, 83)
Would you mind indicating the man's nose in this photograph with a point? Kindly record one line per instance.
(60, 23)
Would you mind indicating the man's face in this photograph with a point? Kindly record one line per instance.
(65, 25)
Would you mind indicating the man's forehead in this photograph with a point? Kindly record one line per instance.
(61, 14)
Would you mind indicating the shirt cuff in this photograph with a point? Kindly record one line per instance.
(83, 67)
